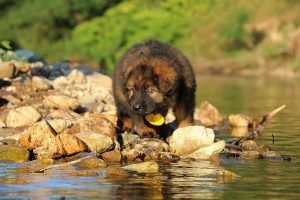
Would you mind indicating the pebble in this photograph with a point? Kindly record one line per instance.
(61, 102)
(208, 115)
(97, 143)
(22, 116)
(112, 156)
(39, 83)
(91, 163)
(7, 70)
(145, 167)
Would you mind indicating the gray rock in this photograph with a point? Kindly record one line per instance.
(7, 70)
(23, 116)
(61, 101)
(145, 167)
(188, 139)
(97, 143)
(28, 56)
(13, 154)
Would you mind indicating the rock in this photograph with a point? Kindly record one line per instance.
(100, 79)
(39, 83)
(97, 143)
(28, 56)
(65, 114)
(13, 153)
(117, 171)
(59, 125)
(262, 149)
(76, 77)
(41, 139)
(129, 138)
(145, 167)
(272, 155)
(7, 70)
(240, 120)
(2, 124)
(112, 156)
(23, 116)
(22, 67)
(90, 163)
(167, 157)
(250, 155)
(95, 124)
(133, 154)
(61, 102)
(9, 141)
(206, 152)
(188, 139)
(71, 144)
(208, 115)
(155, 144)
(226, 175)
(239, 131)
(249, 145)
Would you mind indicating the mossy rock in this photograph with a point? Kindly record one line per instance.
(13, 153)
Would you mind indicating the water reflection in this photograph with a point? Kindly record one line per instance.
(258, 179)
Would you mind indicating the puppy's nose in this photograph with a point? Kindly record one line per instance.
(137, 107)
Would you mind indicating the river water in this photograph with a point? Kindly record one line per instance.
(257, 179)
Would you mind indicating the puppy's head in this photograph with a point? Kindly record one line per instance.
(148, 90)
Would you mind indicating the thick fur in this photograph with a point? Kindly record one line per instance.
(151, 78)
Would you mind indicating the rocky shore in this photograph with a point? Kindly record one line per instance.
(60, 114)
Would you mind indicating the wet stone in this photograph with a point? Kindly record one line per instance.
(117, 171)
(145, 167)
(90, 163)
(250, 145)
(250, 155)
(167, 157)
(13, 154)
(112, 156)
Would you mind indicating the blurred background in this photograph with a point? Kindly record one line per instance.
(218, 36)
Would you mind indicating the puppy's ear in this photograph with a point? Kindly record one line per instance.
(167, 79)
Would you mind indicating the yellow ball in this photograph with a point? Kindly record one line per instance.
(155, 119)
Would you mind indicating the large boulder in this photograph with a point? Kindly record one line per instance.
(188, 139)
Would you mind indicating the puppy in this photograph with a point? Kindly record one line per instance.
(152, 78)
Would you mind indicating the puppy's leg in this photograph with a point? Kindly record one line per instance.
(184, 111)
(142, 129)
(124, 122)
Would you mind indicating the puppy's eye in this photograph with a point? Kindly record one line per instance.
(150, 90)
(130, 89)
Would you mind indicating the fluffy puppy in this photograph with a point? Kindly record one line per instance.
(151, 78)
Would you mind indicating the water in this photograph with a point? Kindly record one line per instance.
(258, 179)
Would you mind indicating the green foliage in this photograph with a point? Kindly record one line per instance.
(45, 26)
(233, 30)
(5, 44)
(97, 32)
(104, 39)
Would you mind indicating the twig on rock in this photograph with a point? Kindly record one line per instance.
(261, 125)
(60, 165)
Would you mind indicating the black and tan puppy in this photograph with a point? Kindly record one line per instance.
(151, 78)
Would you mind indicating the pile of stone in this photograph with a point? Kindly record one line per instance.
(53, 112)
